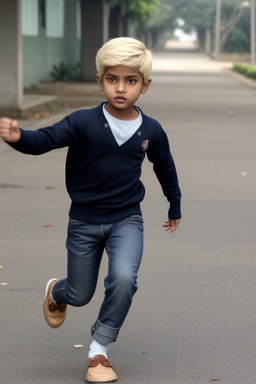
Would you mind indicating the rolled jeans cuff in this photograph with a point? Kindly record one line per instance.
(104, 334)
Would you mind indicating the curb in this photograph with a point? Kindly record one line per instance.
(238, 76)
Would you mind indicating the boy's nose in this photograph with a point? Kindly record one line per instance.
(121, 87)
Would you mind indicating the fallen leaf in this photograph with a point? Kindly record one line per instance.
(29, 117)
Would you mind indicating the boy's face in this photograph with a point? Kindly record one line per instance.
(122, 86)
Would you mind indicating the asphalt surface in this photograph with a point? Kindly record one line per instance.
(193, 320)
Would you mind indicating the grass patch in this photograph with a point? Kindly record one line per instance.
(248, 70)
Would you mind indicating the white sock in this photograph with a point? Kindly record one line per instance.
(97, 349)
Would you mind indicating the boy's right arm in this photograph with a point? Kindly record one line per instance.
(9, 130)
(62, 134)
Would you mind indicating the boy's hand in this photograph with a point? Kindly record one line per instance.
(171, 225)
(9, 130)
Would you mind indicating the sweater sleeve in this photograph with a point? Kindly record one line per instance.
(37, 142)
(163, 164)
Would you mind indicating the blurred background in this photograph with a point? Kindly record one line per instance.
(57, 40)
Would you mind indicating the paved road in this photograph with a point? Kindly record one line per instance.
(193, 318)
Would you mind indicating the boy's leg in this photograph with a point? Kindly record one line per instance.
(124, 247)
(85, 247)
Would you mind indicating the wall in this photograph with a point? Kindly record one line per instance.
(40, 53)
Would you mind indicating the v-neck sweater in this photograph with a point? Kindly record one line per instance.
(103, 178)
(122, 129)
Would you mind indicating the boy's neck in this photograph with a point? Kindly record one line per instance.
(127, 114)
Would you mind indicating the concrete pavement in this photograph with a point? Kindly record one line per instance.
(193, 318)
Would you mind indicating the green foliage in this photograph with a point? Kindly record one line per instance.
(65, 72)
(251, 72)
(238, 42)
(239, 67)
(246, 69)
(164, 16)
(163, 20)
(196, 13)
(139, 11)
(159, 16)
(200, 15)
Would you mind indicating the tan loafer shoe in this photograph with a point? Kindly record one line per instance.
(100, 370)
(54, 314)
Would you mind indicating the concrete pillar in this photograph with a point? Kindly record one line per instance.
(253, 36)
(95, 21)
(208, 41)
(217, 29)
(11, 89)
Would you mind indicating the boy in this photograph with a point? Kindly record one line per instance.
(107, 145)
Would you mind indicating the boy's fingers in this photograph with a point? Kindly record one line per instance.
(174, 224)
(5, 124)
(14, 124)
(9, 129)
(4, 121)
(4, 127)
(171, 225)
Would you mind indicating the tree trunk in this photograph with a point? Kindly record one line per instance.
(125, 25)
(201, 33)
(94, 34)
(115, 23)
(225, 30)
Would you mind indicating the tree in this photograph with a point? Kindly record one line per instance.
(163, 20)
(239, 38)
(138, 11)
(200, 16)
(233, 11)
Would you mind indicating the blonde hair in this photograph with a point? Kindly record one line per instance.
(124, 51)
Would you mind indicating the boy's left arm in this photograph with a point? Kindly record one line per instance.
(163, 164)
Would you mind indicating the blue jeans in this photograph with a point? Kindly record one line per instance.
(123, 241)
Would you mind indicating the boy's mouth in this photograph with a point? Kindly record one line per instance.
(120, 99)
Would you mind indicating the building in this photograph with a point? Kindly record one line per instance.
(37, 34)
(51, 33)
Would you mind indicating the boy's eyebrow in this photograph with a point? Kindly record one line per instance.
(110, 74)
(129, 76)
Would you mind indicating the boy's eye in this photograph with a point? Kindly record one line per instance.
(112, 80)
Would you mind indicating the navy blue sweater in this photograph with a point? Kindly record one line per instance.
(102, 178)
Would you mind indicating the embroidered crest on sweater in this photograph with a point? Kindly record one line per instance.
(144, 145)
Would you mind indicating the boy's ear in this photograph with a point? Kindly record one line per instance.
(145, 86)
(99, 81)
